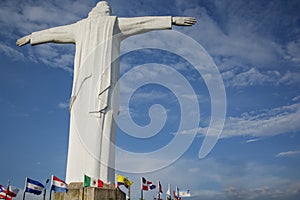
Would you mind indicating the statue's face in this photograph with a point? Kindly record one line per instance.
(104, 8)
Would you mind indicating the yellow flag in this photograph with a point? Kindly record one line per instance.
(122, 180)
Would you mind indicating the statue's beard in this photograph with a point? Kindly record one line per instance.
(105, 13)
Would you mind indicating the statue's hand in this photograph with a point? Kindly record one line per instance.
(23, 41)
(184, 21)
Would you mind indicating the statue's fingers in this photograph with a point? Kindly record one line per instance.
(22, 41)
(190, 21)
(18, 42)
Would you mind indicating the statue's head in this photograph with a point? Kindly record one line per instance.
(102, 8)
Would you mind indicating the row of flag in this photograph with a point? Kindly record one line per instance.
(177, 194)
(34, 187)
(58, 185)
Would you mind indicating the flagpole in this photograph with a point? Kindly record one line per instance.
(25, 189)
(51, 187)
(82, 193)
(8, 183)
(24, 195)
(141, 189)
(44, 196)
(50, 194)
(129, 193)
(158, 190)
(158, 195)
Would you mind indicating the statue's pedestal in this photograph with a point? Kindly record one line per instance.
(77, 192)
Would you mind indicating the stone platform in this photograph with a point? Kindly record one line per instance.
(77, 192)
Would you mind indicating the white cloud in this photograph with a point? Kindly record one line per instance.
(296, 98)
(253, 140)
(11, 52)
(268, 123)
(57, 57)
(287, 153)
(247, 78)
(290, 78)
(293, 51)
(238, 43)
(235, 78)
(259, 124)
(24, 17)
(63, 105)
(247, 41)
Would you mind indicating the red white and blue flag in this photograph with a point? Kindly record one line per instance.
(58, 185)
(4, 193)
(8, 193)
(147, 185)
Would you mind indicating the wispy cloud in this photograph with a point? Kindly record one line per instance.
(253, 140)
(57, 57)
(267, 123)
(259, 124)
(244, 46)
(256, 77)
(287, 153)
(63, 105)
(296, 98)
(293, 51)
(251, 77)
(24, 17)
(11, 52)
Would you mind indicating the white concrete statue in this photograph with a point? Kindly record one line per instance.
(96, 71)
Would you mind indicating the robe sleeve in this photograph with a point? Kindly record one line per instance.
(138, 25)
(60, 34)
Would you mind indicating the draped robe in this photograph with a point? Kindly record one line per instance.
(92, 131)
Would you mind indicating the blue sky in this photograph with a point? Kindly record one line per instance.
(255, 46)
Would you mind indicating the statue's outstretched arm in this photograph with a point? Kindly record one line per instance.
(183, 21)
(23, 40)
(60, 34)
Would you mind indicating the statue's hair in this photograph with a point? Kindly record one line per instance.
(99, 9)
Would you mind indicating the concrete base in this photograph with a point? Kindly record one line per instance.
(77, 192)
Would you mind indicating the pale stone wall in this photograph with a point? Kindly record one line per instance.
(77, 192)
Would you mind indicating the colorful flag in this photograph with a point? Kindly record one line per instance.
(58, 185)
(176, 194)
(12, 191)
(33, 186)
(4, 194)
(122, 180)
(92, 182)
(147, 185)
(184, 193)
